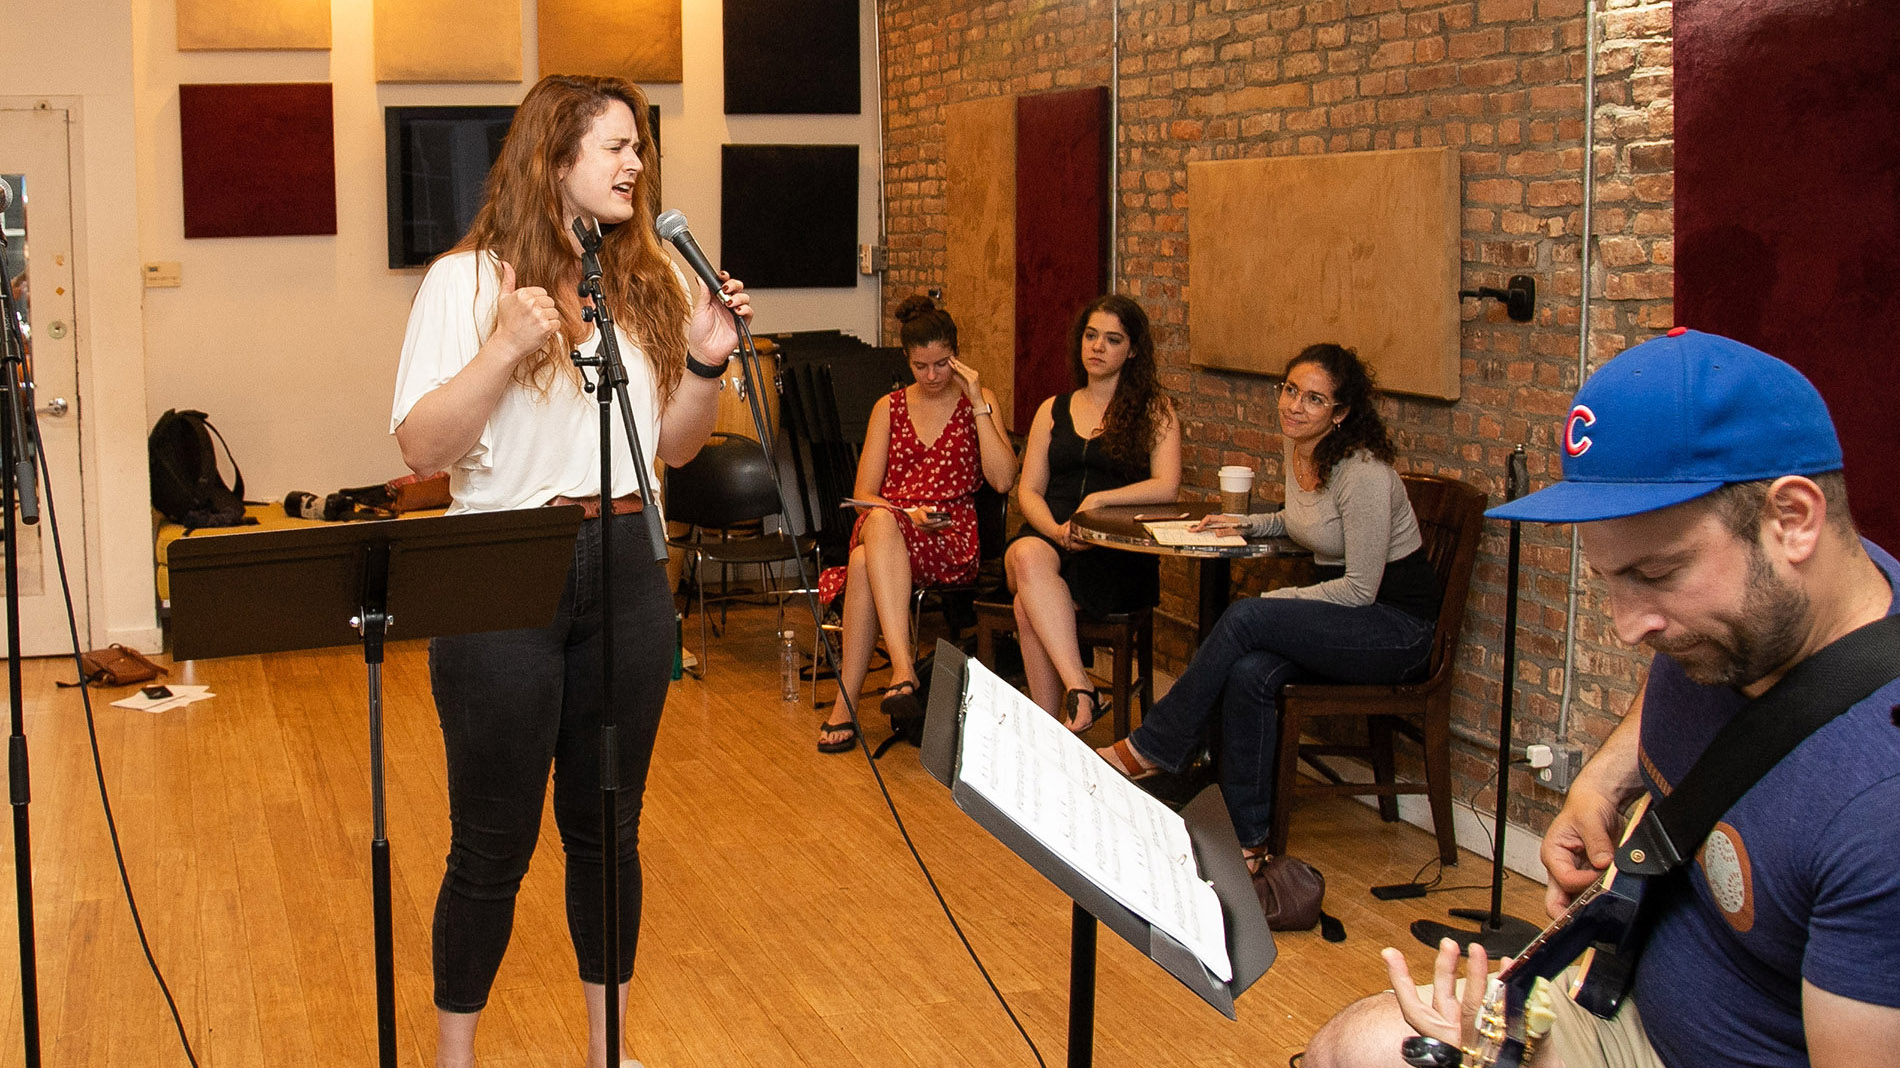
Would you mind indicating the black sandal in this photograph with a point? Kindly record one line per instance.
(1072, 701)
(901, 705)
(843, 745)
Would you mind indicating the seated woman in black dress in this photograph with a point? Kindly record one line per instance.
(1114, 440)
(1368, 620)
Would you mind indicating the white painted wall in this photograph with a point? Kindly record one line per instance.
(79, 54)
(290, 343)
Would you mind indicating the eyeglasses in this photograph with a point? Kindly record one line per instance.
(1306, 398)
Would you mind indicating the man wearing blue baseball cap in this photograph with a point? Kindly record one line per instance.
(1705, 477)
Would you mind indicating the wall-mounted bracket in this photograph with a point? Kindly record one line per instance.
(1519, 298)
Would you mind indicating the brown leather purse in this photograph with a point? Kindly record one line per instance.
(116, 665)
(1291, 892)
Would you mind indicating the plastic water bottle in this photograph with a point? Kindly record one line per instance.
(788, 666)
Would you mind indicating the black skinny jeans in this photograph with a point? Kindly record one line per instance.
(511, 704)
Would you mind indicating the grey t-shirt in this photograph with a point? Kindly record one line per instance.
(1361, 519)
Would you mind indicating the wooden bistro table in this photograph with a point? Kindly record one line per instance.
(1116, 527)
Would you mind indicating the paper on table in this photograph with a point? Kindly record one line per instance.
(1176, 532)
(1020, 759)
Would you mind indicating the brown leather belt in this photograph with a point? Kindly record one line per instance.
(590, 506)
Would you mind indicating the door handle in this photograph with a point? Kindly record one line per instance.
(57, 408)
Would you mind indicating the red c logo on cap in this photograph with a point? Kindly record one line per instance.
(1581, 415)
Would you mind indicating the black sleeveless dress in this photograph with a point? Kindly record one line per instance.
(1101, 580)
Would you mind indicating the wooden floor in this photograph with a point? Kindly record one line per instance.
(785, 922)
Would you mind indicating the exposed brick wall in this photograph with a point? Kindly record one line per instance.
(1223, 79)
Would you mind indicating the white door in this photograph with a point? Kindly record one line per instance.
(39, 265)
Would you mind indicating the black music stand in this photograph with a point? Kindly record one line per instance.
(280, 590)
(1250, 946)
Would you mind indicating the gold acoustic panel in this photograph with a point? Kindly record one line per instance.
(1359, 248)
(634, 39)
(207, 25)
(448, 40)
(980, 239)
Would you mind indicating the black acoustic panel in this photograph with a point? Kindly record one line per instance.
(788, 215)
(792, 57)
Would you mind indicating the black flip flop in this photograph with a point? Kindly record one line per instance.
(842, 745)
(901, 705)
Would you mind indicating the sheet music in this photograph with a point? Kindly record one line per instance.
(1177, 532)
(1023, 761)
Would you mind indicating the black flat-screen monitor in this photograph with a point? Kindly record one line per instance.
(437, 159)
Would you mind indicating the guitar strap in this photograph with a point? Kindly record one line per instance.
(1768, 728)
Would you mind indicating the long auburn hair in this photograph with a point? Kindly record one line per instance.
(1353, 390)
(1139, 409)
(521, 222)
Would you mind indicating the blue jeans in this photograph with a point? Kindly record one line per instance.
(1259, 645)
(512, 704)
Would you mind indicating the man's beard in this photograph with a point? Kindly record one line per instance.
(1766, 634)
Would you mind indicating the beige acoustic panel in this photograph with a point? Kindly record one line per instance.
(205, 25)
(634, 39)
(979, 143)
(1360, 248)
(448, 40)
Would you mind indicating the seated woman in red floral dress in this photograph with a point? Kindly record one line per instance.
(927, 447)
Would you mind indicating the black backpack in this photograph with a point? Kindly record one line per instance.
(186, 484)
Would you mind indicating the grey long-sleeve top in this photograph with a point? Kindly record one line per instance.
(1360, 519)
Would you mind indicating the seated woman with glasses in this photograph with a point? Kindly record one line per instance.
(1368, 620)
(926, 449)
(1114, 440)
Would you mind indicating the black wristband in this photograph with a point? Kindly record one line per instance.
(706, 370)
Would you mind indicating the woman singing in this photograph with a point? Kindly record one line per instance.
(486, 390)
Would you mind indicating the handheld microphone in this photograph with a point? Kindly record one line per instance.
(671, 226)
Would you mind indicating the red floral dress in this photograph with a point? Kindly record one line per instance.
(942, 477)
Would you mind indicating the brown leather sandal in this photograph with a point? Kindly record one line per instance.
(1128, 760)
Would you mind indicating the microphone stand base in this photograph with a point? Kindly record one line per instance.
(1507, 938)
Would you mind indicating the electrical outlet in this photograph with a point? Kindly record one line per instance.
(872, 259)
(1566, 761)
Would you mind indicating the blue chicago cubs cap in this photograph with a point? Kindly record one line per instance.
(1675, 418)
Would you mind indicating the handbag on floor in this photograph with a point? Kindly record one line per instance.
(1291, 892)
(116, 665)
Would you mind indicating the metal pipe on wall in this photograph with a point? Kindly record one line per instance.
(1574, 593)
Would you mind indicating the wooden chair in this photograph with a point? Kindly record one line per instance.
(1128, 635)
(1450, 518)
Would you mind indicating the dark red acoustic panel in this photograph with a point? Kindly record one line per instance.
(1061, 233)
(259, 160)
(1788, 205)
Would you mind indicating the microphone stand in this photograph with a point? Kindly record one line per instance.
(610, 384)
(17, 440)
(1500, 935)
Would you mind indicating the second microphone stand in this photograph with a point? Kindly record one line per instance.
(1500, 935)
(610, 384)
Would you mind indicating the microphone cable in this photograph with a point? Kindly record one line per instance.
(748, 368)
(98, 765)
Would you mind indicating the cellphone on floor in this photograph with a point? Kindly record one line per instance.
(157, 693)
